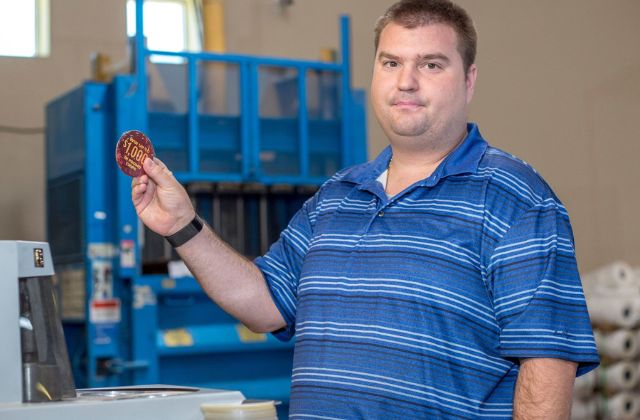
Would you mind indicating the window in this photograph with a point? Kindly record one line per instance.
(24, 28)
(169, 25)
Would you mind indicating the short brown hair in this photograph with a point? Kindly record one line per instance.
(414, 13)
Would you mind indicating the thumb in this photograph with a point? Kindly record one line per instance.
(158, 172)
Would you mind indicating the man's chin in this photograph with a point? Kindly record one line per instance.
(409, 131)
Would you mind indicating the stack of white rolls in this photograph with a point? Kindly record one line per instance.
(613, 390)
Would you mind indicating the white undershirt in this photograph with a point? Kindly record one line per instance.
(382, 179)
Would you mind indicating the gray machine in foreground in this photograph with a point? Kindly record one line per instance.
(35, 378)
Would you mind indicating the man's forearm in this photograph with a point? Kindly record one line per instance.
(231, 280)
(544, 389)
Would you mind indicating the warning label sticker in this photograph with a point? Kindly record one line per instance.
(104, 311)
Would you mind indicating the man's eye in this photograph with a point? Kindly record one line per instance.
(390, 64)
(432, 66)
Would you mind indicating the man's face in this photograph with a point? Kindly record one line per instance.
(419, 87)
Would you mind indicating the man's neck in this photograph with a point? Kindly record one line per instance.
(409, 165)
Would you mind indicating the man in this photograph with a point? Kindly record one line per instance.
(437, 281)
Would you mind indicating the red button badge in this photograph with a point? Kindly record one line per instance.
(132, 149)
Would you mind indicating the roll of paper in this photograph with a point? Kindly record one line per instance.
(621, 376)
(622, 406)
(622, 344)
(615, 278)
(584, 409)
(614, 311)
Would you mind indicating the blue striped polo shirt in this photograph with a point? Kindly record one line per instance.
(420, 305)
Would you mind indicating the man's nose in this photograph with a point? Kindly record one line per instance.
(407, 78)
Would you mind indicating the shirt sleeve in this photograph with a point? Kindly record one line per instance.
(281, 267)
(537, 294)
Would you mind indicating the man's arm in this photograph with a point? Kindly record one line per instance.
(232, 281)
(544, 389)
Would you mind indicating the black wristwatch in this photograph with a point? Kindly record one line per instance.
(182, 236)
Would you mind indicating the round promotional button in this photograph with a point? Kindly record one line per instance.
(132, 149)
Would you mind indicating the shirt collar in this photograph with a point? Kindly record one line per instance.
(463, 159)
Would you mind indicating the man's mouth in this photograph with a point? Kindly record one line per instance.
(404, 104)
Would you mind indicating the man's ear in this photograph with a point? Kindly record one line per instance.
(470, 81)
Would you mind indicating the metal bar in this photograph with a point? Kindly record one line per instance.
(345, 35)
(240, 225)
(186, 177)
(216, 221)
(264, 222)
(303, 121)
(245, 119)
(194, 151)
(237, 58)
(292, 180)
(91, 365)
(143, 346)
(217, 338)
(131, 111)
(141, 49)
(254, 115)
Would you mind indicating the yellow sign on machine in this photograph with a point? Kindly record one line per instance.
(179, 337)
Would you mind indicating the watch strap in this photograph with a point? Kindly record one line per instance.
(185, 234)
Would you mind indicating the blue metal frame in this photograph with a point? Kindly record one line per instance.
(347, 144)
(250, 120)
(134, 347)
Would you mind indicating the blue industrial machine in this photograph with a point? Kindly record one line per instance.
(251, 138)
